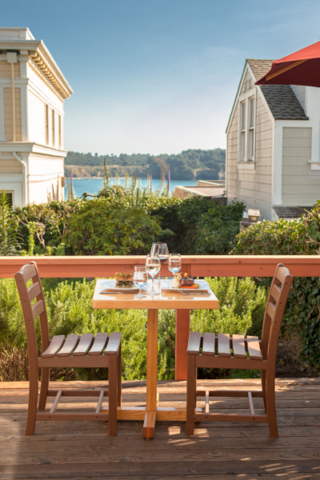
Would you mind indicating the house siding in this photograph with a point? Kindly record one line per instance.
(37, 119)
(7, 112)
(247, 185)
(248, 83)
(300, 184)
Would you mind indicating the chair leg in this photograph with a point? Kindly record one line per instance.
(113, 394)
(45, 377)
(33, 400)
(191, 393)
(263, 385)
(271, 407)
(119, 378)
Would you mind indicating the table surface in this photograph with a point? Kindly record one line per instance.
(169, 300)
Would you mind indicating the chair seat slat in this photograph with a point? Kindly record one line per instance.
(209, 340)
(239, 349)
(34, 291)
(98, 344)
(224, 345)
(84, 344)
(194, 342)
(69, 345)
(113, 343)
(54, 347)
(37, 309)
(254, 348)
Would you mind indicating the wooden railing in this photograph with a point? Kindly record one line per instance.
(198, 266)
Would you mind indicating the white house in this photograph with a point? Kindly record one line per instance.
(32, 92)
(273, 147)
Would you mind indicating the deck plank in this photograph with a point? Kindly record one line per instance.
(218, 450)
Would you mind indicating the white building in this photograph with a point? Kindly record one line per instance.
(31, 119)
(273, 145)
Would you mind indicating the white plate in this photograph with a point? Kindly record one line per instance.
(203, 286)
(110, 285)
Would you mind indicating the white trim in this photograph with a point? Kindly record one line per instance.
(11, 177)
(2, 139)
(246, 165)
(24, 114)
(37, 92)
(32, 147)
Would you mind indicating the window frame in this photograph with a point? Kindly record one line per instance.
(247, 132)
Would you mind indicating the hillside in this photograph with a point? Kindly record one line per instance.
(187, 165)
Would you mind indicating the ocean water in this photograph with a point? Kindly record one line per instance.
(93, 185)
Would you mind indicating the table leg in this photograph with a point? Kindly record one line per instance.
(182, 338)
(152, 367)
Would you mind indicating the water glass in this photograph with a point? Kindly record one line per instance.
(162, 250)
(140, 279)
(153, 268)
(174, 263)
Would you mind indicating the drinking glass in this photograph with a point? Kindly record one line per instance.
(160, 249)
(153, 267)
(140, 278)
(174, 263)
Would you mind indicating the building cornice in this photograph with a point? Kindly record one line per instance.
(31, 147)
(41, 56)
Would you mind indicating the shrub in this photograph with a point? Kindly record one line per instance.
(101, 227)
(69, 311)
(8, 234)
(298, 237)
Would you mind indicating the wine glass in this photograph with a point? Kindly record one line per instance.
(140, 278)
(174, 263)
(160, 249)
(153, 267)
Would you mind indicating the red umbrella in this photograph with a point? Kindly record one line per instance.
(299, 68)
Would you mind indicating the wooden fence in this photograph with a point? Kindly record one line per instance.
(198, 266)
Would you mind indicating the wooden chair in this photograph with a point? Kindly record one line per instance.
(87, 351)
(241, 353)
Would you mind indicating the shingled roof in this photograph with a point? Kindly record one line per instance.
(281, 99)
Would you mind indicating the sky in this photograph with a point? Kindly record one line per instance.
(158, 76)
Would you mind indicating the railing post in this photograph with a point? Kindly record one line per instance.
(182, 337)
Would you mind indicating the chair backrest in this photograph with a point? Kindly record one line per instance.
(32, 312)
(276, 303)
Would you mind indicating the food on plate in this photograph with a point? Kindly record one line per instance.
(186, 281)
(176, 280)
(124, 280)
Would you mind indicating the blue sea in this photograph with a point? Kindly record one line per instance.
(93, 185)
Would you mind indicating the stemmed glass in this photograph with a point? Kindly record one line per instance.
(174, 263)
(160, 249)
(153, 267)
(140, 278)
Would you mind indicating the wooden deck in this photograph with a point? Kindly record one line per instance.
(83, 450)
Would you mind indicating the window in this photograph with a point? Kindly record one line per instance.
(53, 128)
(242, 152)
(47, 124)
(60, 131)
(246, 129)
(251, 129)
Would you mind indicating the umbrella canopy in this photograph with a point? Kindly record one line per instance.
(299, 68)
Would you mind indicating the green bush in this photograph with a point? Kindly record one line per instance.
(101, 227)
(127, 221)
(298, 237)
(69, 311)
